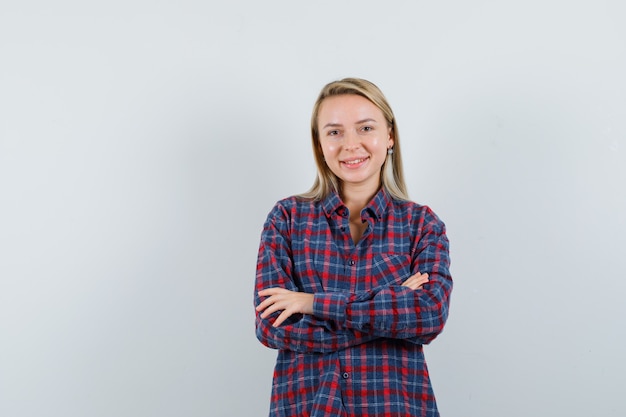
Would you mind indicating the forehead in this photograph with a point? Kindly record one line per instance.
(348, 108)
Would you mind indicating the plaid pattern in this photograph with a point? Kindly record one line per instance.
(360, 353)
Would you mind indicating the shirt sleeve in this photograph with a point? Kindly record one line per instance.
(394, 311)
(301, 332)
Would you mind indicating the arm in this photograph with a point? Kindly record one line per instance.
(288, 303)
(396, 311)
(299, 332)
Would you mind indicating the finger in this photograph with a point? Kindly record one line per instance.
(415, 286)
(272, 309)
(422, 279)
(266, 303)
(415, 276)
(281, 318)
(416, 281)
(271, 291)
(272, 304)
(271, 294)
(412, 281)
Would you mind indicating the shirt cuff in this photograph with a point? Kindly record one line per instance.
(330, 306)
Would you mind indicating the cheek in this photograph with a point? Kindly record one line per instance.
(381, 145)
(378, 143)
(329, 149)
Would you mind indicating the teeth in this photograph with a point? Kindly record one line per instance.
(356, 161)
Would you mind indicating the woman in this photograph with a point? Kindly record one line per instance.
(352, 277)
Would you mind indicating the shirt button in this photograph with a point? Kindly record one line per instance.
(345, 375)
(351, 262)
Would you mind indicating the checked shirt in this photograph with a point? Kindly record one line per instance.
(360, 352)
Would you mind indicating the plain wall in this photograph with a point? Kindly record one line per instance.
(142, 144)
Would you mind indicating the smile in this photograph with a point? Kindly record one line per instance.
(354, 161)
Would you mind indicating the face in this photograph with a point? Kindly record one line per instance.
(354, 137)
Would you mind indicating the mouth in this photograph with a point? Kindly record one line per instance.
(355, 162)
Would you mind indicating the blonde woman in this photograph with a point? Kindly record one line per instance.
(352, 276)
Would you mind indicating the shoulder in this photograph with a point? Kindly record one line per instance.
(298, 203)
(293, 207)
(419, 215)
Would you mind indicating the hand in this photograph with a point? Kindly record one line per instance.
(290, 302)
(416, 281)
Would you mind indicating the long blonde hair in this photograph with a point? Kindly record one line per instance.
(391, 173)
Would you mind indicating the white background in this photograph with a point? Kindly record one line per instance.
(142, 144)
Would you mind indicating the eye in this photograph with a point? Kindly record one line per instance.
(367, 128)
(332, 133)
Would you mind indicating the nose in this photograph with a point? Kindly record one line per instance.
(351, 140)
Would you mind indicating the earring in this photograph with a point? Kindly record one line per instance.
(389, 151)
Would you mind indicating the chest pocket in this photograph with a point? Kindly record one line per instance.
(387, 269)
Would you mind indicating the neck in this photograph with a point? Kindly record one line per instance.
(356, 197)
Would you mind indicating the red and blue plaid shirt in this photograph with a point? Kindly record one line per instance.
(360, 352)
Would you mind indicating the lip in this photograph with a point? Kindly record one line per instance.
(354, 163)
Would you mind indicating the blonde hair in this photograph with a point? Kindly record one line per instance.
(391, 173)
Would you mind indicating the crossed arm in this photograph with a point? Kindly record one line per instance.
(292, 302)
(291, 319)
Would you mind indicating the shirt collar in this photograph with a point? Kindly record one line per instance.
(332, 203)
(376, 207)
(379, 204)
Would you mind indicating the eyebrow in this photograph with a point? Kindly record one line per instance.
(358, 123)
